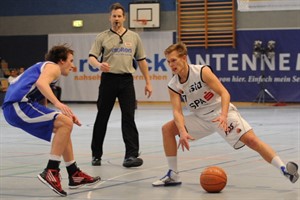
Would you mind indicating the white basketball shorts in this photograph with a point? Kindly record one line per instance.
(202, 126)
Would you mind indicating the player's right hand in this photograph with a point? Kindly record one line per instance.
(184, 141)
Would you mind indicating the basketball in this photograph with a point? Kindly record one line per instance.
(213, 179)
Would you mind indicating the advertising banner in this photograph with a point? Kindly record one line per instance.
(246, 76)
(82, 84)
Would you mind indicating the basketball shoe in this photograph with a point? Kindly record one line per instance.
(170, 179)
(80, 178)
(52, 178)
(291, 171)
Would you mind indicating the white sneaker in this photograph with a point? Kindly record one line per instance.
(170, 179)
(291, 171)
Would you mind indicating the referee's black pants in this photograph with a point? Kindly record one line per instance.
(114, 86)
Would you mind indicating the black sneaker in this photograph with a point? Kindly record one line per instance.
(80, 178)
(51, 178)
(132, 162)
(96, 161)
(291, 172)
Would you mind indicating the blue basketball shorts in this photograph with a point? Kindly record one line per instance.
(33, 118)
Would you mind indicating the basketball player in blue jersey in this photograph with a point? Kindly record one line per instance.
(211, 111)
(25, 107)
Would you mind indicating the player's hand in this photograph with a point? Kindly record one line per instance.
(184, 141)
(66, 110)
(222, 119)
(76, 120)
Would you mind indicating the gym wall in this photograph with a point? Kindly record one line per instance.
(25, 26)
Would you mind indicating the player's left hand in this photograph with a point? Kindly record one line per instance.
(76, 120)
(222, 122)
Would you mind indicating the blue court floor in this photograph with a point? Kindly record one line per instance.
(23, 157)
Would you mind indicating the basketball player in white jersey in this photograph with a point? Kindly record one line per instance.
(22, 108)
(211, 111)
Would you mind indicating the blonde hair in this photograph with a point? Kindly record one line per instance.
(180, 47)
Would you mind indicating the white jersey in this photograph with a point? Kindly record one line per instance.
(198, 97)
(205, 106)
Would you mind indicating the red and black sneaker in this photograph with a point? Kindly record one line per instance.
(52, 178)
(80, 178)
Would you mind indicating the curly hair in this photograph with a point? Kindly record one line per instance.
(58, 53)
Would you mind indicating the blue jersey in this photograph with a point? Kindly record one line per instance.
(21, 106)
(23, 88)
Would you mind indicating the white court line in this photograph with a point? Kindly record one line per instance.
(89, 195)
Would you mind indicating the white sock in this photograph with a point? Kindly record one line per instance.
(69, 163)
(172, 163)
(277, 162)
(54, 157)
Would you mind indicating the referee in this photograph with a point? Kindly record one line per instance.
(118, 49)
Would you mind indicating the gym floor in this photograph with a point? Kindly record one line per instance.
(23, 157)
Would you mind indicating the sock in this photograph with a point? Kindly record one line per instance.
(71, 169)
(172, 163)
(53, 164)
(54, 157)
(277, 162)
(69, 163)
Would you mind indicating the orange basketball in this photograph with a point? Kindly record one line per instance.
(213, 179)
